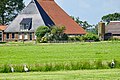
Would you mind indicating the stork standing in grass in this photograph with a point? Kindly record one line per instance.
(25, 68)
(112, 64)
(12, 69)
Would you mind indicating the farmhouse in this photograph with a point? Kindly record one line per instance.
(2, 28)
(113, 29)
(40, 13)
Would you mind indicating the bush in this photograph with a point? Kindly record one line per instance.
(2, 42)
(41, 31)
(114, 39)
(6, 68)
(43, 40)
(90, 36)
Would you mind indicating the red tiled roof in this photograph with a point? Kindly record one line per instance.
(60, 17)
(2, 27)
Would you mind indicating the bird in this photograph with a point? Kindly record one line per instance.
(112, 64)
(12, 69)
(25, 68)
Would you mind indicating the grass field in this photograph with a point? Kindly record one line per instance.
(58, 56)
(47, 53)
(109, 74)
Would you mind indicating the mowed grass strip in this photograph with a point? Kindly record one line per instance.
(109, 74)
(50, 53)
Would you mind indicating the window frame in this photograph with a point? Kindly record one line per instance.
(7, 35)
(13, 35)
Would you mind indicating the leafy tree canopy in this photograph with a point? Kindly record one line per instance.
(84, 24)
(111, 17)
(53, 33)
(58, 33)
(9, 9)
(41, 31)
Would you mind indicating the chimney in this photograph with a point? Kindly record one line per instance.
(101, 30)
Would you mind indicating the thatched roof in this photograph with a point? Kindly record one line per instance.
(113, 27)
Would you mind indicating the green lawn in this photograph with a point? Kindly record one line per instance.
(109, 74)
(48, 53)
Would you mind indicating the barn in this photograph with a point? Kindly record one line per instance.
(40, 13)
(113, 29)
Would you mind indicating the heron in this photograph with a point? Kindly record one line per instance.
(25, 68)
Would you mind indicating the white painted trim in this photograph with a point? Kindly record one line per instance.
(114, 21)
(20, 36)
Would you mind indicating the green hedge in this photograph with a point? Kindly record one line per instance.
(75, 65)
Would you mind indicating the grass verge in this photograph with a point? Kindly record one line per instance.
(106, 74)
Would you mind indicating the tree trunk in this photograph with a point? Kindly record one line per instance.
(3, 20)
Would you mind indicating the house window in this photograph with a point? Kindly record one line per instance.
(0, 36)
(25, 36)
(13, 35)
(7, 36)
(26, 24)
(30, 36)
(20, 35)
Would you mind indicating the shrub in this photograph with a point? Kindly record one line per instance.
(6, 68)
(2, 42)
(18, 68)
(90, 36)
(114, 39)
(41, 31)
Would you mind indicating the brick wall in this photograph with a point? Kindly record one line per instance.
(16, 37)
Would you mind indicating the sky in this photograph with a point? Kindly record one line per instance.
(88, 10)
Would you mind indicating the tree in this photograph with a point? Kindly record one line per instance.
(58, 33)
(45, 34)
(84, 24)
(41, 31)
(9, 9)
(111, 17)
(93, 29)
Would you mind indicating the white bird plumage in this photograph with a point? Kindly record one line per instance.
(112, 64)
(25, 68)
(12, 69)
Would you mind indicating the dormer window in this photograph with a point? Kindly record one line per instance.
(26, 24)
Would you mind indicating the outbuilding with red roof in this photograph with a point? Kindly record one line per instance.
(2, 28)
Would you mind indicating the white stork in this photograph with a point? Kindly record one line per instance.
(112, 64)
(12, 69)
(25, 68)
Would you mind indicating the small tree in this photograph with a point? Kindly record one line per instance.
(41, 31)
(45, 33)
(84, 24)
(58, 33)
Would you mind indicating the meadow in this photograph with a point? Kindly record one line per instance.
(109, 74)
(59, 55)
